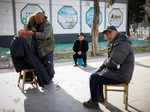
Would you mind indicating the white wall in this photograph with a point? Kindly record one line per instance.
(6, 15)
(6, 18)
(20, 4)
(58, 4)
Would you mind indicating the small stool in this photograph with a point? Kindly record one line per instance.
(125, 90)
(80, 61)
(23, 77)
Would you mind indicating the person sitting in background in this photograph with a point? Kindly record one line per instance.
(80, 48)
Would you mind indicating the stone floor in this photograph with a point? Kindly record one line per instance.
(71, 87)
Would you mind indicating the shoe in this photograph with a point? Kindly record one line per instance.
(91, 104)
(85, 65)
(75, 65)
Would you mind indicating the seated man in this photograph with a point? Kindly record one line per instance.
(116, 69)
(80, 48)
(23, 57)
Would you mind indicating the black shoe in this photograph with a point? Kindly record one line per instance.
(91, 104)
(85, 65)
(75, 65)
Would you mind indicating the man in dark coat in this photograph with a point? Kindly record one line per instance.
(116, 69)
(80, 48)
(24, 58)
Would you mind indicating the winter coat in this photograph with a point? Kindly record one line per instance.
(80, 46)
(44, 37)
(23, 57)
(119, 64)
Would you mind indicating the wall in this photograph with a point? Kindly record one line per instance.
(20, 4)
(6, 18)
(118, 12)
(69, 17)
(115, 15)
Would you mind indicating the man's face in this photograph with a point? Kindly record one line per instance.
(81, 37)
(110, 35)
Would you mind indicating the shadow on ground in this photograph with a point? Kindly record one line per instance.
(89, 69)
(142, 65)
(135, 109)
(54, 99)
(112, 108)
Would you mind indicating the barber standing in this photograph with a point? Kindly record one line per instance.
(42, 33)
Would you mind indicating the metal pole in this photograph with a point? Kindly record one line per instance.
(50, 11)
(105, 16)
(80, 15)
(14, 16)
(127, 24)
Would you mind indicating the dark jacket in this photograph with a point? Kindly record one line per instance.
(80, 46)
(24, 58)
(119, 64)
(44, 36)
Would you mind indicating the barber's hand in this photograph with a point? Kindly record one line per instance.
(25, 34)
(22, 34)
(79, 52)
(30, 33)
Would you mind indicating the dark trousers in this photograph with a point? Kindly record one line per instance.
(49, 57)
(96, 86)
(83, 56)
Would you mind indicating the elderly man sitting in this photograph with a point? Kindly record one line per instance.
(116, 69)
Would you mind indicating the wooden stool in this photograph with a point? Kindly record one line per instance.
(23, 77)
(125, 90)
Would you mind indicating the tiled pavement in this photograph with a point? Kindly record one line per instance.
(71, 87)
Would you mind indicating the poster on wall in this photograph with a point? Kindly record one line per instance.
(115, 17)
(67, 17)
(28, 10)
(90, 16)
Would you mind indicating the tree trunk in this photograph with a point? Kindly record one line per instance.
(95, 30)
(147, 17)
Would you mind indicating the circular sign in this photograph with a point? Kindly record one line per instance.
(90, 16)
(67, 17)
(28, 10)
(115, 17)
